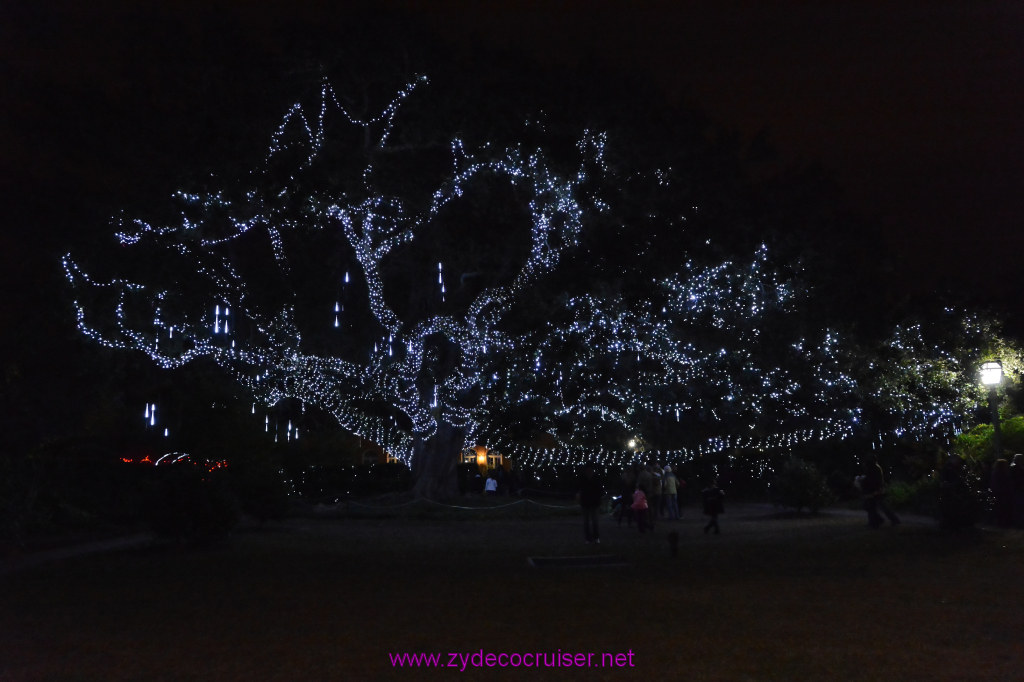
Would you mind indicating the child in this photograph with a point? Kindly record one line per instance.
(712, 497)
(639, 507)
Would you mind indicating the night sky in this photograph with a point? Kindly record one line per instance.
(913, 107)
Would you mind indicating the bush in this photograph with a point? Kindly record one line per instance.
(961, 501)
(975, 445)
(329, 484)
(192, 505)
(20, 485)
(261, 487)
(263, 495)
(921, 495)
(841, 485)
(800, 485)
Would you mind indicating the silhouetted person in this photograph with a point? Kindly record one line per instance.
(645, 481)
(627, 483)
(669, 492)
(873, 487)
(1001, 485)
(712, 497)
(590, 493)
(1017, 476)
(958, 505)
(655, 497)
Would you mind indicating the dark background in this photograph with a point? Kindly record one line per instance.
(912, 108)
(915, 107)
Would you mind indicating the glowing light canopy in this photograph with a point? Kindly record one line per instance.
(698, 353)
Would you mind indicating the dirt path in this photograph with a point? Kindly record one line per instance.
(742, 521)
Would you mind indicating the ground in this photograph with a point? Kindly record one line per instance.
(775, 597)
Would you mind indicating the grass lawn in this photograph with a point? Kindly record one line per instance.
(772, 598)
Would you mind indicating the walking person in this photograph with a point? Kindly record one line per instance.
(645, 481)
(627, 483)
(591, 491)
(670, 490)
(873, 487)
(712, 497)
(655, 498)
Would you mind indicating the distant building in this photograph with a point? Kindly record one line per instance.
(484, 459)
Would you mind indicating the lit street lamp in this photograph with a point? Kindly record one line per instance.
(636, 445)
(992, 376)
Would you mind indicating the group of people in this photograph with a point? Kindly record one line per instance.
(993, 491)
(648, 493)
(959, 500)
(652, 492)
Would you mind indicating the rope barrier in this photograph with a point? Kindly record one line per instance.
(453, 506)
(379, 506)
(552, 506)
(487, 508)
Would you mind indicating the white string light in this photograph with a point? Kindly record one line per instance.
(665, 346)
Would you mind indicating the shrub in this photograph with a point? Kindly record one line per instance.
(263, 495)
(192, 505)
(260, 485)
(921, 495)
(975, 445)
(330, 483)
(800, 485)
(841, 484)
(961, 501)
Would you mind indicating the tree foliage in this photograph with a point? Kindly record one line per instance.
(924, 381)
(800, 485)
(432, 288)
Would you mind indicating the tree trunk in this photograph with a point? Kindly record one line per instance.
(434, 464)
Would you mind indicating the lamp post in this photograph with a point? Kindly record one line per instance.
(992, 376)
(636, 445)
